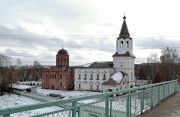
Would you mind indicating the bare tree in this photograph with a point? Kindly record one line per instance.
(153, 60)
(37, 70)
(25, 72)
(169, 60)
(5, 62)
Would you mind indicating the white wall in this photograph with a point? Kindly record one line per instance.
(124, 48)
(125, 64)
(85, 84)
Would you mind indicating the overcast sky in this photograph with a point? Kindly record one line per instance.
(36, 29)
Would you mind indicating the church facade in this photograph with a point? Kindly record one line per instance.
(61, 76)
(109, 76)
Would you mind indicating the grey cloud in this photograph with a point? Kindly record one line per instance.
(156, 42)
(22, 43)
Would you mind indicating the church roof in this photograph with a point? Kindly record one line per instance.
(107, 64)
(124, 33)
(110, 82)
(101, 65)
(62, 52)
(115, 79)
(125, 54)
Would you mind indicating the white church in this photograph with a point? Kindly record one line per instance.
(111, 75)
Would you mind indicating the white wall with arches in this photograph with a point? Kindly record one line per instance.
(90, 79)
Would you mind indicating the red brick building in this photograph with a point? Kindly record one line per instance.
(60, 76)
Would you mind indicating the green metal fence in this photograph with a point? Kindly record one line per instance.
(123, 103)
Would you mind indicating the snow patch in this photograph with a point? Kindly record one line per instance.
(85, 65)
(22, 87)
(117, 77)
(66, 94)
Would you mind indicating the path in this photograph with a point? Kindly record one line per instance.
(170, 107)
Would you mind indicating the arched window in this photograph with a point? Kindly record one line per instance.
(98, 87)
(64, 61)
(104, 77)
(121, 45)
(97, 77)
(85, 76)
(61, 61)
(91, 77)
(131, 76)
(127, 44)
(79, 76)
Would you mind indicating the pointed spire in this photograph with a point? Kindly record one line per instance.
(124, 16)
(124, 33)
(62, 46)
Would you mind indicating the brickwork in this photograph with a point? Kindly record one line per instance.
(61, 76)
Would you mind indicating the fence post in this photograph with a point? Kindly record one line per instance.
(110, 108)
(107, 107)
(159, 93)
(168, 88)
(176, 86)
(163, 91)
(128, 105)
(142, 100)
(74, 104)
(79, 112)
(151, 96)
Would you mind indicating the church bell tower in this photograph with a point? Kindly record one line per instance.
(123, 59)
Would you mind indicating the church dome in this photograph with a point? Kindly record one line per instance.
(62, 52)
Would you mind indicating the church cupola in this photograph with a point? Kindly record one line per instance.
(124, 41)
(124, 33)
(62, 58)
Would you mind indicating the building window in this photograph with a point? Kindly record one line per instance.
(91, 77)
(121, 44)
(131, 76)
(85, 76)
(79, 86)
(127, 44)
(97, 77)
(60, 83)
(104, 77)
(79, 76)
(91, 87)
(61, 76)
(98, 87)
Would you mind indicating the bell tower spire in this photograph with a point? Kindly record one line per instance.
(124, 43)
(124, 33)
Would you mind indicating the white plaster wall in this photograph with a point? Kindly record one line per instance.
(125, 64)
(86, 84)
(124, 49)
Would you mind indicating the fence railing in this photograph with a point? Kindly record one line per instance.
(123, 103)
